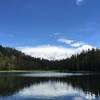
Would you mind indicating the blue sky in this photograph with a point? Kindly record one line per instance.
(31, 23)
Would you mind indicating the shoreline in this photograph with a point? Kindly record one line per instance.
(30, 71)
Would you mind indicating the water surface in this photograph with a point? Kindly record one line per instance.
(49, 86)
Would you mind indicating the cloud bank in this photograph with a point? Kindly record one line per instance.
(52, 52)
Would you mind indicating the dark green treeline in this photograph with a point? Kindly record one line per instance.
(11, 59)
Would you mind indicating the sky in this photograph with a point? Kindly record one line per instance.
(51, 29)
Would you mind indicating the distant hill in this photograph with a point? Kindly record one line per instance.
(86, 61)
(12, 59)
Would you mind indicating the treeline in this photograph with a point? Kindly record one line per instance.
(12, 59)
(86, 61)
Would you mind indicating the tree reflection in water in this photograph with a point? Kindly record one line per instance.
(85, 86)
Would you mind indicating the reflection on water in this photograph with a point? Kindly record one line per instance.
(53, 89)
(51, 74)
(74, 87)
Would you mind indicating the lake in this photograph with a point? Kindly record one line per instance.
(49, 86)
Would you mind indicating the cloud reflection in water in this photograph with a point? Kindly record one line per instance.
(52, 89)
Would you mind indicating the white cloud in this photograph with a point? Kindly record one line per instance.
(77, 44)
(66, 41)
(56, 34)
(72, 43)
(78, 2)
(83, 47)
(51, 52)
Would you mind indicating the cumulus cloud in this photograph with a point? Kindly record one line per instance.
(78, 2)
(52, 52)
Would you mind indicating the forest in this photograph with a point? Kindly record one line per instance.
(12, 59)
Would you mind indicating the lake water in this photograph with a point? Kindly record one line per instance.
(49, 86)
